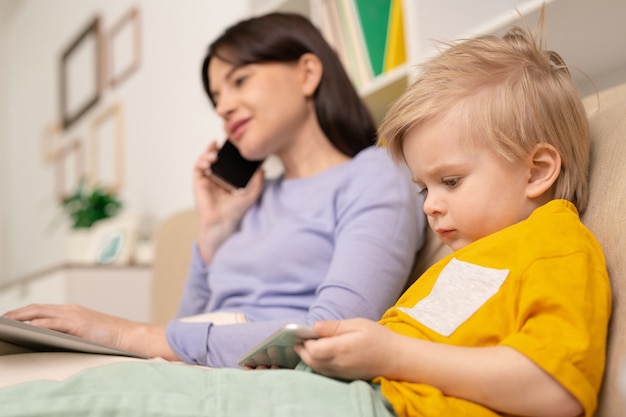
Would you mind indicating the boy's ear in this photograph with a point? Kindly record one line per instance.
(545, 168)
(312, 71)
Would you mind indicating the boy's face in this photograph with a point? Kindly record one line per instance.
(470, 191)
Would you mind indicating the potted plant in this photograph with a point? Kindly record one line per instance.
(88, 206)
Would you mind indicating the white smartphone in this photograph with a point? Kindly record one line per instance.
(277, 349)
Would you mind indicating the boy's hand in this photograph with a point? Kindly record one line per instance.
(349, 349)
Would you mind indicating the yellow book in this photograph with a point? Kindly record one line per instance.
(395, 51)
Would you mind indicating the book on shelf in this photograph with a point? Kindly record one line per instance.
(331, 29)
(395, 50)
(368, 35)
(374, 16)
(358, 58)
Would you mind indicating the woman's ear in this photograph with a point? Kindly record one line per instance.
(311, 70)
(545, 168)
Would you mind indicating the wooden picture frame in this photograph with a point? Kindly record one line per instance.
(99, 157)
(51, 142)
(81, 74)
(66, 182)
(128, 47)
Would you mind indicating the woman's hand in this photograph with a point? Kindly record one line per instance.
(349, 349)
(146, 339)
(220, 210)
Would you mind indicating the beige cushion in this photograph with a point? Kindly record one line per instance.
(172, 255)
(606, 217)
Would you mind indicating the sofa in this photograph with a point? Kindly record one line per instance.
(607, 115)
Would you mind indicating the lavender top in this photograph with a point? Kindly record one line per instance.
(336, 245)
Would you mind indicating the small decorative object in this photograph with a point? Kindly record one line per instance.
(111, 247)
(111, 241)
(86, 207)
(115, 240)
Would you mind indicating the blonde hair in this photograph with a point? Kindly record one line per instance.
(512, 94)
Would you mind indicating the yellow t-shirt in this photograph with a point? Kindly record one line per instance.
(539, 286)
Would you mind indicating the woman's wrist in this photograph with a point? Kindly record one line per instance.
(149, 339)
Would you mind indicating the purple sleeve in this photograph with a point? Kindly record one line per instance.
(196, 291)
(380, 227)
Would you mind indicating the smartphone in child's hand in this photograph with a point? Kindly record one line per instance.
(277, 349)
(231, 170)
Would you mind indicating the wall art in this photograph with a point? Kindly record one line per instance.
(81, 74)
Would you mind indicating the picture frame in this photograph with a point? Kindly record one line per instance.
(81, 74)
(51, 142)
(124, 47)
(106, 160)
(69, 168)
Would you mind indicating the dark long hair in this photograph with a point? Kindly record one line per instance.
(285, 37)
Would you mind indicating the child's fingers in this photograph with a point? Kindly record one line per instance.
(326, 328)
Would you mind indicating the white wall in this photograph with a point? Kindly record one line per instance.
(168, 119)
(7, 8)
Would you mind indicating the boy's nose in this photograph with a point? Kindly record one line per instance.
(433, 206)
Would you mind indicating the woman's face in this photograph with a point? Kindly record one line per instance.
(263, 105)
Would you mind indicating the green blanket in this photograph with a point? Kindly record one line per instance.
(162, 389)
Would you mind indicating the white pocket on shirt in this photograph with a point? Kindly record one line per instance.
(461, 289)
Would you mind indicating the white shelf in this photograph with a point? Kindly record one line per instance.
(384, 89)
(588, 34)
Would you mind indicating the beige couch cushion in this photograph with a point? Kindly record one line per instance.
(172, 255)
(606, 217)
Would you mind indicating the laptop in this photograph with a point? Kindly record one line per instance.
(46, 340)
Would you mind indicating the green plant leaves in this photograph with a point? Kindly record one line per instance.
(86, 207)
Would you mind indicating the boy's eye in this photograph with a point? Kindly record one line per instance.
(450, 182)
(423, 191)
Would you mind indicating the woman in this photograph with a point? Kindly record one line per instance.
(334, 237)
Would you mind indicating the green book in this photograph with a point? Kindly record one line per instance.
(374, 17)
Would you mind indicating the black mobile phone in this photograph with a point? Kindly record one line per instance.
(231, 170)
